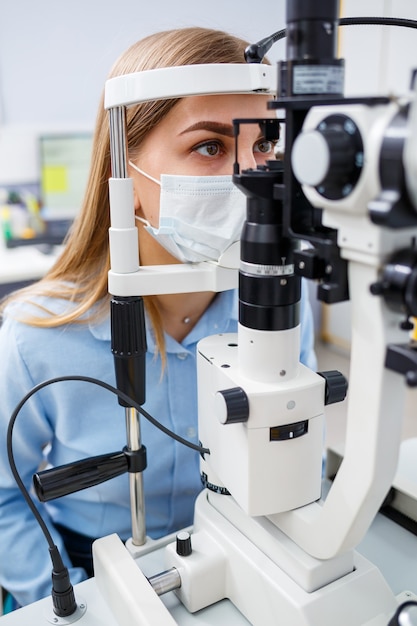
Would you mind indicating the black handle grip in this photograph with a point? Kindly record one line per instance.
(60, 481)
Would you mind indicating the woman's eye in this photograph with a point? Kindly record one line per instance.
(209, 149)
(264, 146)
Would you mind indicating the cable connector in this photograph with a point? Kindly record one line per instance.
(63, 598)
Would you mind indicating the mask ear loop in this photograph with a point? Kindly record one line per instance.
(143, 221)
(137, 217)
(135, 167)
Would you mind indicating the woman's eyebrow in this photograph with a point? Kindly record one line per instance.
(215, 127)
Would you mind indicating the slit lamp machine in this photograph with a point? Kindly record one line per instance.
(264, 535)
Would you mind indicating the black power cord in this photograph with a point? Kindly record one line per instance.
(63, 598)
(255, 52)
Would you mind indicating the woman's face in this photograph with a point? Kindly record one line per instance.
(196, 139)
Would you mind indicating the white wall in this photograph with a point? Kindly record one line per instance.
(55, 56)
(378, 59)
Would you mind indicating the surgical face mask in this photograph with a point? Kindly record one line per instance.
(199, 217)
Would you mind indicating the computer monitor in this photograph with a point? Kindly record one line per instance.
(64, 165)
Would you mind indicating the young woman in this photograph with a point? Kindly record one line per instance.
(60, 326)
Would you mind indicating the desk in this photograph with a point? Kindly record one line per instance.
(20, 266)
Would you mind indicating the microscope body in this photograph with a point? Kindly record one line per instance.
(271, 459)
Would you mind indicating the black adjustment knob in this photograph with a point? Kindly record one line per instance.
(378, 288)
(336, 386)
(184, 547)
(232, 405)
(128, 346)
(309, 263)
(411, 378)
(398, 283)
(406, 325)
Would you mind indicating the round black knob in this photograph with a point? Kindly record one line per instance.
(232, 405)
(336, 386)
(411, 378)
(398, 282)
(184, 547)
(406, 324)
(378, 288)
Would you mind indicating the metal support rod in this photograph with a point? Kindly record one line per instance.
(137, 500)
(118, 154)
(118, 142)
(165, 581)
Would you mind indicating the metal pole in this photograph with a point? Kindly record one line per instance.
(137, 500)
(118, 143)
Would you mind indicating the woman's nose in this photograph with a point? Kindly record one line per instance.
(247, 159)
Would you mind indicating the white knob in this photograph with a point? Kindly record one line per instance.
(310, 158)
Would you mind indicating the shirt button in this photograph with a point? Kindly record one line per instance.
(191, 432)
(182, 355)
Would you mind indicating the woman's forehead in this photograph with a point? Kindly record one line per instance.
(224, 104)
(218, 108)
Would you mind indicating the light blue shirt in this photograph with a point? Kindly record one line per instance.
(69, 421)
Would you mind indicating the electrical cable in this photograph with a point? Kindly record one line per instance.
(255, 52)
(378, 21)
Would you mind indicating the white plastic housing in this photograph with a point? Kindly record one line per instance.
(262, 475)
(123, 234)
(190, 80)
(310, 167)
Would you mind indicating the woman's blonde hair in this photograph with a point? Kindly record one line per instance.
(80, 273)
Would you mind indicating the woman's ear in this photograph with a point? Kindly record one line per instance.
(136, 195)
(136, 200)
